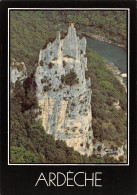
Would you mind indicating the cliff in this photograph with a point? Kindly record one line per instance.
(64, 93)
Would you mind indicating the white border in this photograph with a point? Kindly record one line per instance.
(128, 89)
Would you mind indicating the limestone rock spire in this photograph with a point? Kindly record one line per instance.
(64, 93)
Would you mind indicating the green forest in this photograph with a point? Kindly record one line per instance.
(30, 31)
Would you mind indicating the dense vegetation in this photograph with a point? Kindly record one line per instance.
(109, 123)
(29, 32)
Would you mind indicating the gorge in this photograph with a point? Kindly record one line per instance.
(65, 77)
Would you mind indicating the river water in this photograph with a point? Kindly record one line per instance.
(111, 52)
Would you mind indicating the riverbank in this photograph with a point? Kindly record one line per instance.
(101, 38)
(116, 72)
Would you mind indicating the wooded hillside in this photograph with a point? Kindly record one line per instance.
(30, 31)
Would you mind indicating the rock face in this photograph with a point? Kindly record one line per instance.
(64, 93)
(17, 71)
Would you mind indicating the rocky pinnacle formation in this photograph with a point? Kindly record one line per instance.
(63, 92)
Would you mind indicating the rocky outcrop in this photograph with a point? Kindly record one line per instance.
(64, 93)
(17, 71)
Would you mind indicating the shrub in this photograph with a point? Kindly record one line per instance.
(112, 147)
(81, 131)
(44, 80)
(70, 79)
(94, 141)
(46, 88)
(67, 56)
(74, 129)
(81, 52)
(87, 74)
(60, 86)
(64, 63)
(87, 145)
(12, 85)
(41, 63)
(99, 148)
(73, 104)
(121, 158)
(63, 34)
(50, 39)
(20, 67)
(51, 65)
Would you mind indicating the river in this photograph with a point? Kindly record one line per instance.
(111, 52)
